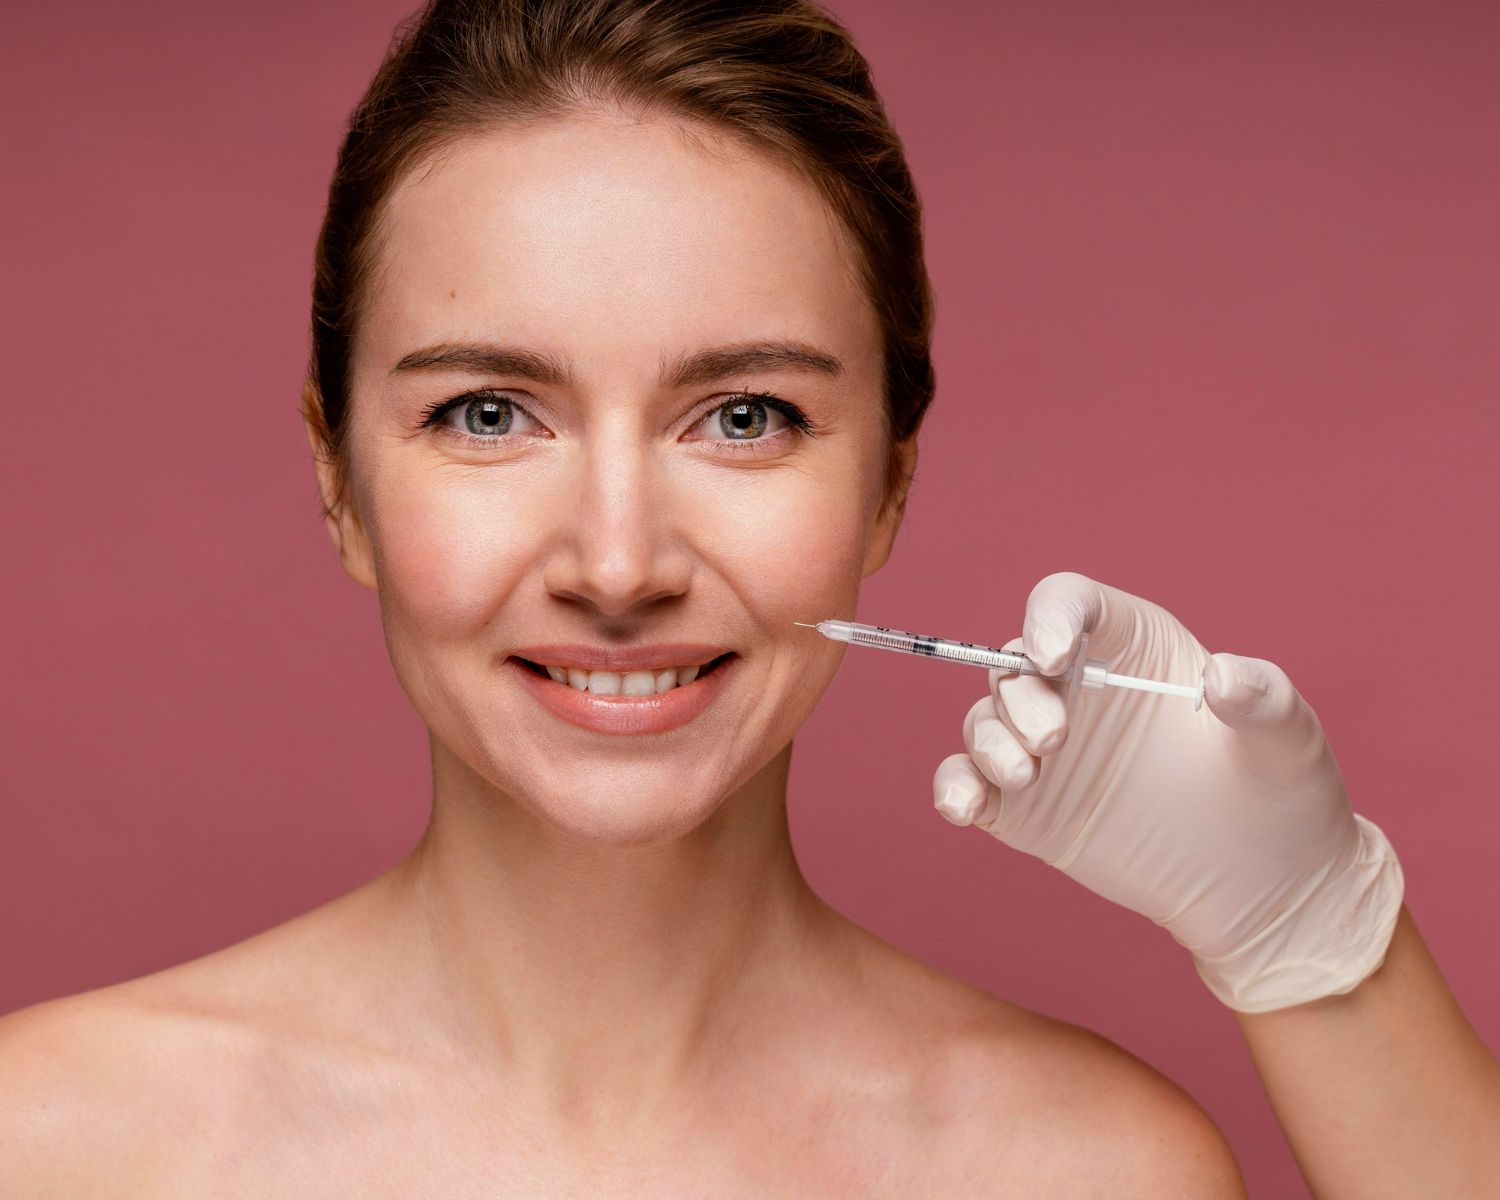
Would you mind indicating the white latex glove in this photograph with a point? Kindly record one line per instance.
(1228, 825)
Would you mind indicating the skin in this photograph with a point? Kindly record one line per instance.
(600, 971)
(1386, 1091)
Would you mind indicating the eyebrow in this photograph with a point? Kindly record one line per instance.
(699, 367)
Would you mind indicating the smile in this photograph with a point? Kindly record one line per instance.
(625, 702)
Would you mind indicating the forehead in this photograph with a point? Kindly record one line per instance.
(599, 232)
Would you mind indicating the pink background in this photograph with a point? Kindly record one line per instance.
(1218, 325)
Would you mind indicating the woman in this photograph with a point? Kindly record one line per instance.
(620, 355)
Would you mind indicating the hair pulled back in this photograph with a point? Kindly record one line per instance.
(783, 74)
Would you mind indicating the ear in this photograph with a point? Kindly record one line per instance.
(345, 529)
(888, 519)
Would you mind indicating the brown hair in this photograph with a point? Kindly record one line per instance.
(782, 73)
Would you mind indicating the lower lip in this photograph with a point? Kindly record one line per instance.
(625, 714)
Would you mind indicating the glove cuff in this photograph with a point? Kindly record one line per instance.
(1325, 945)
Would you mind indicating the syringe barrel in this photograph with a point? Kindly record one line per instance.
(881, 638)
(868, 635)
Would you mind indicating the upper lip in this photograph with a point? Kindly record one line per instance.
(655, 657)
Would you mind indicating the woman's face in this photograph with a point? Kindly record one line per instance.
(596, 292)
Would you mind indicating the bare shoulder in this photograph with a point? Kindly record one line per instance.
(1025, 1104)
(87, 1083)
(110, 1091)
(1115, 1124)
(138, 1088)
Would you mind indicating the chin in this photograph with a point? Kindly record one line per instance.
(625, 816)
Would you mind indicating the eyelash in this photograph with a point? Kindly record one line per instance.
(801, 424)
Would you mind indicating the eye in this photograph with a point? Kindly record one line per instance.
(484, 416)
(746, 418)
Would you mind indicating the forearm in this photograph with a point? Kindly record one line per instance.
(1386, 1091)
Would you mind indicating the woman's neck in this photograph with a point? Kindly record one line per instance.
(604, 980)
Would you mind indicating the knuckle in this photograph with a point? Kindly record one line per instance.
(1021, 774)
(1037, 739)
(962, 790)
(979, 711)
(1010, 765)
(953, 769)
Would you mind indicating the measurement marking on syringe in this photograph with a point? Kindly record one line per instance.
(1082, 672)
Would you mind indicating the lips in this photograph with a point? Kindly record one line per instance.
(658, 713)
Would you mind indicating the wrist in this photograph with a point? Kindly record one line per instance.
(1324, 943)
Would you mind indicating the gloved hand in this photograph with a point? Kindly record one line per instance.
(1228, 825)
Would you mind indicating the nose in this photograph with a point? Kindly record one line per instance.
(618, 546)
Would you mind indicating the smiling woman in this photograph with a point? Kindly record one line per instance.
(620, 354)
(662, 422)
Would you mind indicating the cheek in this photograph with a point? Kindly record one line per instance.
(793, 542)
(446, 554)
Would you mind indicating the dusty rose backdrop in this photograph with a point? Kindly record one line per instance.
(1217, 324)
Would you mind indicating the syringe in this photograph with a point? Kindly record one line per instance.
(1091, 673)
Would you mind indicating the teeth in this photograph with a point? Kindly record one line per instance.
(604, 683)
(628, 683)
(637, 683)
